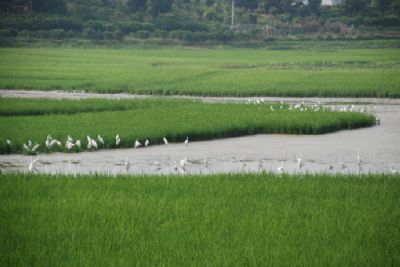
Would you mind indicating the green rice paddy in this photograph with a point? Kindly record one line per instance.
(220, 220)
(154, 119)
(352, 72)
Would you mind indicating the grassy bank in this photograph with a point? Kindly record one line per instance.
(154, 119)
(227, 220)
(332, 72)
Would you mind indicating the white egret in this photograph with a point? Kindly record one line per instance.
(69, 145)
(280, 169)
(158, 165)
(137, 144)
(183, 162)
(8, 142)
(29, 144)
(300, 162)
(187, 140)
(165, 141)
(117, 140)
(260, 165)
(101, 140)
(35, 148)
(69, 139)
(78, 143)
(146, 143)
(342, 164)
(89, 142)
(94, 143)
(32, 165)
(26, 147)
(58, 143)
(127, 165)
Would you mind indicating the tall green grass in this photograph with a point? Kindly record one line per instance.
(154, 119)
(26, 106)
(236, 72)
(220, 220)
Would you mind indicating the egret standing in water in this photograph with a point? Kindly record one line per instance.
(359, 162)
(300, 162)
(280, 169)
(32, 165)
(127, 165)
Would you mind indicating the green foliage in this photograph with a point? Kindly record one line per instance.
(304, 69)
(154, 119)
(219, 220)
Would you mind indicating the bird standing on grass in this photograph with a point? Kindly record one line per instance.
(137, 144)
(101, 140)
(117, 140)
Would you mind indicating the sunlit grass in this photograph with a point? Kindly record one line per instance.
(228, 220)
(239, 72)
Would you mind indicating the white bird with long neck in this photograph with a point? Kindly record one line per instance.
(137, 144)
(78, 143)
(300, 162)
(35, 148)
(32, 165)
(280, 169)
(89, 142)
(117, 140)
(187, 141)
(26, 147)
(127, 165)
(146, 143)
(165, 141)
(94, 143)
(69, 145)
(69, 139)
(101, 140)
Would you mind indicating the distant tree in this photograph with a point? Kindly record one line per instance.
(248, 4)
(137, 5)
(49, 6)
(353, 7)
(382, 5)
(156, 7)
(315, 6)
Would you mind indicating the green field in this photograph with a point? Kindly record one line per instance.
(225, 220)
(154, 119)
(337, 71)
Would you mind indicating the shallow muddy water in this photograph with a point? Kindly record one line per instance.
(379, 150)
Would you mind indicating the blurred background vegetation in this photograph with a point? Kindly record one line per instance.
(195, 21)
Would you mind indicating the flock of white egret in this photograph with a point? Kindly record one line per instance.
(180, 165)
